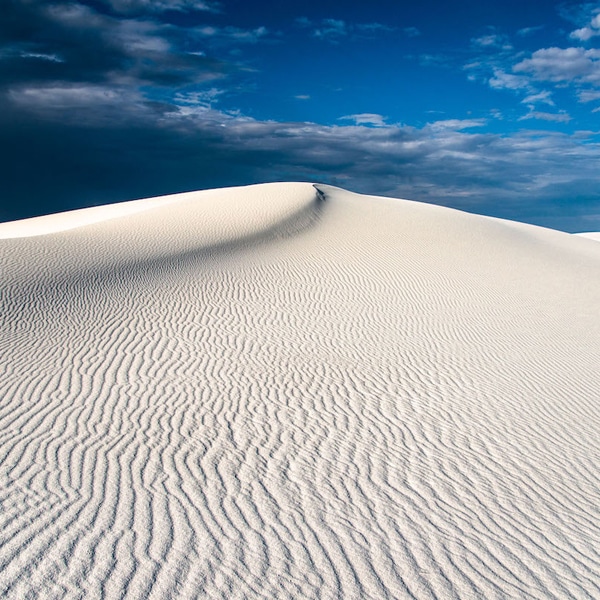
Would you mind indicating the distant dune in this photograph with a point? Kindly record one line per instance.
(290, 391)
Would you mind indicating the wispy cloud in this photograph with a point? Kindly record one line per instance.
(42, 56)
(412, 31)
(561, 117)
(588, 95)
(537, 75)
(544, 97)
(68, 96)
(204, 98)
(373, 28)
(231, 35)
(157, 6)
(526, 31)
(331, 29)
(335, 30)
(492, 41)
(503, 80)
(366, 119)
(456, 124)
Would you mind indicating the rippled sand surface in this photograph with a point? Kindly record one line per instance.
(284, 391)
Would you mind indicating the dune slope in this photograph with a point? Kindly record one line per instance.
(269, 392)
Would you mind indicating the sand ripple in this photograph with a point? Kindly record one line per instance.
(255, 393)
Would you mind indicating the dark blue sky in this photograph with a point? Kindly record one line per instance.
(491, 107)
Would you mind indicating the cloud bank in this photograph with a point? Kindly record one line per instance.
(111, 100)
(164, 149)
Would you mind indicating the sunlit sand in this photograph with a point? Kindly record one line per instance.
(290, 391)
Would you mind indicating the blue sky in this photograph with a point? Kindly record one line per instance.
(491, 107)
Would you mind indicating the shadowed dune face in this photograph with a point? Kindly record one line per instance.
(284, 391)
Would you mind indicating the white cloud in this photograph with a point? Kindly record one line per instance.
(539, 97)
(511, 175)
(154, 6)
(583, 34)
(503, 80)
(529, 30)
(575, 67)
(133, 37)
(438, 60)
(562, 65)
(42, 56)
(366, 119)
(492, 40)
(561, 117)
(139, 37)
(591, 30)
(333, 30)
(70, 97)
(411, 31)
(486, 40)
(456, 124)
(302, 97)
(231, 34)
(373, 28)
(588, 95)
(76, 16)
(204, 98)
(303, 22)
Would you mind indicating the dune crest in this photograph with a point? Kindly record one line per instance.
(294, 391)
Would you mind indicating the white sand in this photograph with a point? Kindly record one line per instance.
(592, 235)
(86, 216)
(247, 393)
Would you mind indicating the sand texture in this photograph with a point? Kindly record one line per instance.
(269, 392)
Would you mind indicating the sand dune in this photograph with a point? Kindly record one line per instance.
(269, 392)
(592, 235)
